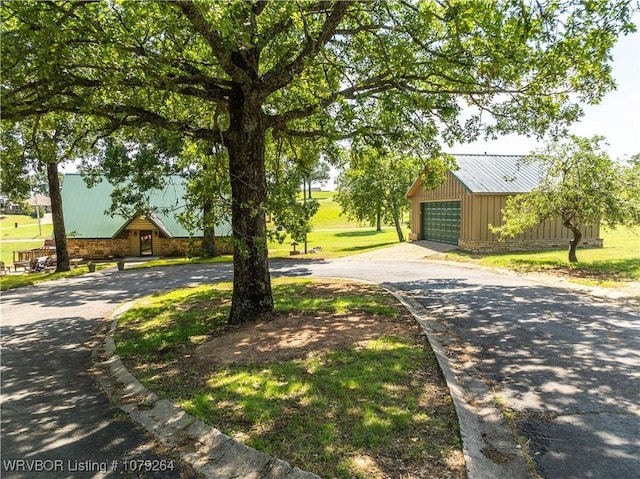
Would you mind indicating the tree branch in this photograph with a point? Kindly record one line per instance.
(314, 134)
(283, 73)
(214, 40)
(369, 87)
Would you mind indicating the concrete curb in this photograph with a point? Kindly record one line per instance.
(210, 452)
(488, 444)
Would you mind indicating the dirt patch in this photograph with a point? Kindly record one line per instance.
(282, 336)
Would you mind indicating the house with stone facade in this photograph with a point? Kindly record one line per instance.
(94, 234)
(460, 211)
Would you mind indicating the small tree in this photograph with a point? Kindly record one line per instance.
(36, 146)
(320, 172)
(579, 183)
(374, 185)
(630, 176)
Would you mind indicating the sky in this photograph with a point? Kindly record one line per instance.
(617, 117)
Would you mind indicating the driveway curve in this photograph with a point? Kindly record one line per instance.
(565, 366)
(56, 422)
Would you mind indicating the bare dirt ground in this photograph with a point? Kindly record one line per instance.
(284, 336)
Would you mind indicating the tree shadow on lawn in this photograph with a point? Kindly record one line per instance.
(354, 234)
(368, 247)
(627, 269)
(324, 392)
(601, 270)
(351, 416)
(338, 381)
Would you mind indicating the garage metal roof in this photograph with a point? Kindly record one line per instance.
(497, 173)
(84, 209)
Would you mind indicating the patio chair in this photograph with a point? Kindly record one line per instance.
(40, 264)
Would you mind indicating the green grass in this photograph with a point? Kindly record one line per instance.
(333, 412)
(8, 247)
(321, 411)
(178, 261)
(27, 228)
(336, 234)
(289, 298)
(617, 261)
(26, 236)
(338, 243)
(165, 321)
(329, 215)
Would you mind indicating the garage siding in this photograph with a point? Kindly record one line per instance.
(451, 190)
(482, 208)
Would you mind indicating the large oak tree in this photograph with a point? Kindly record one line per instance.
(233, 72)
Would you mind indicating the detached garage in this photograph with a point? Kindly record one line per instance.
(460, 211)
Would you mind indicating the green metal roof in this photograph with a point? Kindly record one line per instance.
(84, 209)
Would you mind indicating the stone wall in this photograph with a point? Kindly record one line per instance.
(182, 246)
(524, 245)
(104, 248)
(97, 248)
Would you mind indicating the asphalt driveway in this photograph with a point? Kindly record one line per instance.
(566, 366)
(56, 422)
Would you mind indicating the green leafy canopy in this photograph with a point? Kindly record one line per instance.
(233, 72)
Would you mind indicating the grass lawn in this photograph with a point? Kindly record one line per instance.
(337, 243)
(338, 381)
(177, 261)
(27, 228)
(336, 234)
(617, 261)
(328, 216)
(7, 248)
(25, 236)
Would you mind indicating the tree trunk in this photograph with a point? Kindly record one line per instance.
(57, 215)
(245, 141)
(378, 220)
(396, 221)
(209, 249)
(573, 244)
